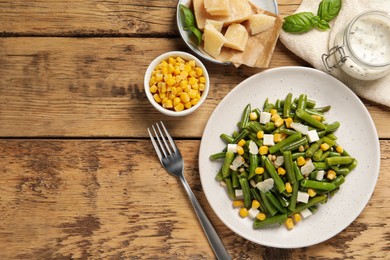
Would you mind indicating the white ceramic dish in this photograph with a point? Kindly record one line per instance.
(186, 56)
(357, 134)
(268, 5)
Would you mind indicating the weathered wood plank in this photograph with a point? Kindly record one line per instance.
(80, 199)
(94, 87)
(95, 17)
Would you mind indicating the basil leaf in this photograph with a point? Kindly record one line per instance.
(315, 20)
(298, 23)
(329, 9)
(197, 33)
(323, 25)
(189, 18)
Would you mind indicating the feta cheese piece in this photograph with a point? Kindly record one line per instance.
(265, 185)
(265, 117)
(213, 40)
(217, 7)
(239, 194)
(307, 168)
(237, 162)
(268, 139)
(312, 135)
(217, 24)
(279, 161)
(232, 148)
(253, 149)
(260, 22)
(303, 129)
(303, 197)
(306, 213)
(253, 213)
(320, 175)
(236, 37)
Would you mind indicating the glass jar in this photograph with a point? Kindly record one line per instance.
(362, 48)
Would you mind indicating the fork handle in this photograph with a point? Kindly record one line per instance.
(212, 236)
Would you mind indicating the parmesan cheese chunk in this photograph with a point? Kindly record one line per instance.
(236, 37)
(213, 40)
(217, 24)
(217, 7)
(260, 22)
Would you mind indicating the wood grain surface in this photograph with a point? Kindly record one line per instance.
(78, 176)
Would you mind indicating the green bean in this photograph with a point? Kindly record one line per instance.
(294, 195)
(313, 201)
(352, 165)
(287, 105)
(230, 191)
(322, 165)
(295, 144)
(324, 156)
(269, 221)
(317, 155)
(272, 171)
(256, 140)
(278, 104)
(339, 160)
(288, 164)
(235, 182)
(338, 181)
(310, 120)
(343, 171)
(253, 164)
(332, 136)
(298, 154)
(245, 117)
(257, 111)
(254, 126)
(226, 171)
(227, 138)
(313, 148)
(269, 127)
(219, 176)
(297, 171)
(322, 109)
(329, 141)
(287, 131)
(273, 149)
(256, 195)
(271, 197)
(268, 205)
(314, 112)
(246, 191)
(217, 156)
(317, 185)
(332, 127)
(241, 135)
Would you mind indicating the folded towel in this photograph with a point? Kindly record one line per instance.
(311, 45)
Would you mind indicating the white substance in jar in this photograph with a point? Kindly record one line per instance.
(365, 45)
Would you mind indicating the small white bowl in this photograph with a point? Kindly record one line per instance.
(185, 56)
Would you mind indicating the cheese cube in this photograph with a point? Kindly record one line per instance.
(232, 148)
(268, 139)
(312, 135)
(217, 7)
(239, 194)
(320, 175)
(306, 213)
(260, 22)
(265, 117)
(217, 24)
(303, 197)
(253, 213)
(308, 168)
(236, 37)
(213, 40)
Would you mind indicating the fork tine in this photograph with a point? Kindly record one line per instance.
(173, 145)
(161, 146)
(163, 137)
(155, 145)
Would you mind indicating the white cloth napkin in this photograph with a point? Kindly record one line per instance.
(311, 45)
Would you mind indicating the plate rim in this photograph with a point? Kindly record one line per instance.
(372, 129)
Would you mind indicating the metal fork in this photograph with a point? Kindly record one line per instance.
(173, 162)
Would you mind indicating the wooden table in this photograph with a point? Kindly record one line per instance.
(79, 177)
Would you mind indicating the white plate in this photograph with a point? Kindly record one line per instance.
(268, 5)
(357, 134)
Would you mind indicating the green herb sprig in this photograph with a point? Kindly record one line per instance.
(190, 23)
(305, 21)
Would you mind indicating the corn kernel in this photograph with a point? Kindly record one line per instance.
(331, 174)
(301, 148)
(202, 79)
(188, 104)
(311, 192)
(317, 117)
(275, 117)
(260, 134)
(202, 86)
(238, 203)
(241, 142)
(184, 97)
(240, 150)
(273, 111)
(277, 137)
(288, 122)
(288, 187)
(261, 216)
(289, 223)
(199, 72)
(179, 107)
(324, 147)
(243, 212)
(176, 101)
(281, 171)
(259, 170)
(255, 204)
(192, 81)
(279, 122)
(301, 161)
(263, 150)
(194, 101)
(153, 89)
(339, 149)
(168, 104)
(191, 63)
(253, 116)
(157, 98)
(297, 217)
